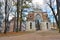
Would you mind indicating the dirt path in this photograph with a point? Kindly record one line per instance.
(35, 36)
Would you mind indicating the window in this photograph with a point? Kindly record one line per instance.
(47, 25)
(30, 16)
(30, 25)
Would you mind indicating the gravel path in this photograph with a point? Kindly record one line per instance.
(34, 36)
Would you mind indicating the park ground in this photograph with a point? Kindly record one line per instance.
(38, 35)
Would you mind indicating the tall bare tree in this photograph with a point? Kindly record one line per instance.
(18, 1)
(6, 19)
(21, 9)
(7, 23)
(58, 13)
(50, 4)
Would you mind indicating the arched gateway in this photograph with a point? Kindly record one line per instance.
(37, 21)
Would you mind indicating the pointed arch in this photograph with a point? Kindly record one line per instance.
(38, 17)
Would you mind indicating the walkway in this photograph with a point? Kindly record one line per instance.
(39, 35)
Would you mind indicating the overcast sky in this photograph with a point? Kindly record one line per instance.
(40, 2)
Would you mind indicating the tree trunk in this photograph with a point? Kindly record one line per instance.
(54, 15)
(5, 16)
(17, 14)
(14, 25)
(57, 19)
(7, 23)
(21, 14)
(58, 13)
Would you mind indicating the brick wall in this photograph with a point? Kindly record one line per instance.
(30, 17)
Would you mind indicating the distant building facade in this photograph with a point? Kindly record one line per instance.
(37, 21)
